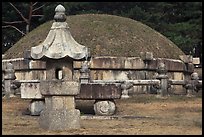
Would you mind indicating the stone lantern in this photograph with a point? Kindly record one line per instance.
(59, 50)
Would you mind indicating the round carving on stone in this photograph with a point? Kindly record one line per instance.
(194, 76)
(104, 107)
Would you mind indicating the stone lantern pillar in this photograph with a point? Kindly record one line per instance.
(59, 50)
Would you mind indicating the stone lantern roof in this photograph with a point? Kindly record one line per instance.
(59, 42)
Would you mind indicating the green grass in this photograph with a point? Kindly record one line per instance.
(113, 35)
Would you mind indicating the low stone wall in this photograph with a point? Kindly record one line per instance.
(26, 69)
(130, 68)
(109, 68)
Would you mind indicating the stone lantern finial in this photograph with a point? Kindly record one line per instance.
(60, 14)
(59, 42)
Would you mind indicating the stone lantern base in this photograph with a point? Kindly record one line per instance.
(59, 112)
(60, 119)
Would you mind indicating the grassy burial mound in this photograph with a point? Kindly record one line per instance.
(105, 35)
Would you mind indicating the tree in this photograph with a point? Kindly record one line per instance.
(19, 17)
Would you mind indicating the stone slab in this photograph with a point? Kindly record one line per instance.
(59, 87)
(100, 91)
(110, 62)
(30, 90)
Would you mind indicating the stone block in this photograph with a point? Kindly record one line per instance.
(59, 87)
(171, 64)
(100, 91)
(186, 58)
(60, 119)
(189, 67)
(116, 63)
(134, 63)
(196, 61)
(36, 106)
(30, 89)
(146, 55)
(37, 65)
(60, 102)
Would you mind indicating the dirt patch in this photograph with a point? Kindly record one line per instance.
(141, 115)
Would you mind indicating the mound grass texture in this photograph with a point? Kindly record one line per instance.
(105, 35)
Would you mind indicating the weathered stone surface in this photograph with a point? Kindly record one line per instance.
(60, 119)
(134, 63)
(30, 89)
(105, 107)
(177, 88)
(30, 75)
(162, 76)
(196, 61)
(36, 106)
(54, 66)
(113, 63)
(59, 42)
(37, 65)
(60, 102)
(9, 72)
(125, 89)
(171, 65)
(146, 55)
(186, 58)
(189, 67)
(100, 91)
(17, 63)
(59, 87)
(116, 74)
(9, 78)
(24, 64)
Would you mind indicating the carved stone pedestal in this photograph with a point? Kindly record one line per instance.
(59, 112)
(52, 118)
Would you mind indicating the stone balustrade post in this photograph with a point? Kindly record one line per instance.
(147, 57)
(84, 71)
(191, 85)
(126, 86)
(9, 78)
(162, 76)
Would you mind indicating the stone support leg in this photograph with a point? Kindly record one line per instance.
(60, 113)
(36, 106)
(104, 107)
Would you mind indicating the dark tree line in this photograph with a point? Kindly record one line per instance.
(181, 22)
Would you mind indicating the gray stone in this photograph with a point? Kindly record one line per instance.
(146, 56)
(9, 72)
(105, 107)
(60, 13)
(84, 71)
(126, 86)
(36, 106)
(30, 89)
(162, 76)
(194, 76)
(59, 87)
(59, 42)
(186, 58)
(9, 78)
(60, 119)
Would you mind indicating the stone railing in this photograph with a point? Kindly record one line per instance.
(110, 68)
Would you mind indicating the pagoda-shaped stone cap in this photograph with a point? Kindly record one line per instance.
(59, 42)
